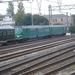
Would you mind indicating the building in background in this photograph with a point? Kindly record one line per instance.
(60, 19)
(7, 20)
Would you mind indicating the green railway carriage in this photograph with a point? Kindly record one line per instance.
(32, 31)
(6, 33)
(18, 33)
(43, 31)
(58, 29)
(10, 35)
(24, 32)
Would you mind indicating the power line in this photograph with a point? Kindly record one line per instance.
(51, 1)
(27, 8)
(1, 1)
(63, 7)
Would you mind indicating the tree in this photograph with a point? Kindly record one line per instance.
(27, 19)
(37, 20)
(73, 16)
(72, 29)
(10, 9)
(19, 16)
(20, 7)
(40, 20)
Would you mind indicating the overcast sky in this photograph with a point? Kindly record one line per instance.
(44, 6)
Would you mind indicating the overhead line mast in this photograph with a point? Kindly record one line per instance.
(39, 5)
(59, 4)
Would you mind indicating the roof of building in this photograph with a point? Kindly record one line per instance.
(2, 16)
(56, 16)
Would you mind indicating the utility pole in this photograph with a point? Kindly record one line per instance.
(31, 13)
(67, 22)
(50, 14)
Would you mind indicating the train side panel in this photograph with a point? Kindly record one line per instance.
(58, 30)
(32, 32)
(7, 34)
(64, 30)
(40, 32)
(18, 33)
(50, 31)
(21, 33)
(25, 33)
(46, 31)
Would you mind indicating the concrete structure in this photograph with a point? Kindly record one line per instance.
(60, 19)
(7, 20)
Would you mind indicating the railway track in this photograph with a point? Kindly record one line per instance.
(6, 56)
(29, 46)
(30, 42)
(31, 65)
(41, 61)
(50, 66)
(25, 45)
(30, 61)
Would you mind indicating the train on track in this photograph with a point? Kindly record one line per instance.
(17, 34)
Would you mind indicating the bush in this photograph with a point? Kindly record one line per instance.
(72, 29)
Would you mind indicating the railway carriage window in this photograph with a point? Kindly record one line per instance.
(26, 30)
(40, 29)
(33, 30)
(4, 32)
(12, 32)
(8, 32)
(46, 29)
(0, 32)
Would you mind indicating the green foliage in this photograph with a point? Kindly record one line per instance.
(73, 16)
(27, 19)
(19, 16)
(72, 29)
(10, 8)
(37, 20)
(40, 20)
(20, 7)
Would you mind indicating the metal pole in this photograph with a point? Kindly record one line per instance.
(50, 14)
(31, 13)
(67, 21)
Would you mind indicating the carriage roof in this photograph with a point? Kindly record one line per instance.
(6, 27)
(40, 26)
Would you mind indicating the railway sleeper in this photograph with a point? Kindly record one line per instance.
(40, 62)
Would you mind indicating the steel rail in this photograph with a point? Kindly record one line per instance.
(39, 61)
(6, 50)
(68, 59)
(30, 42)
(30, 50)
(21, 62)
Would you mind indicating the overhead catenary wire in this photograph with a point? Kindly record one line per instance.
(28, 7)
(34, 8)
